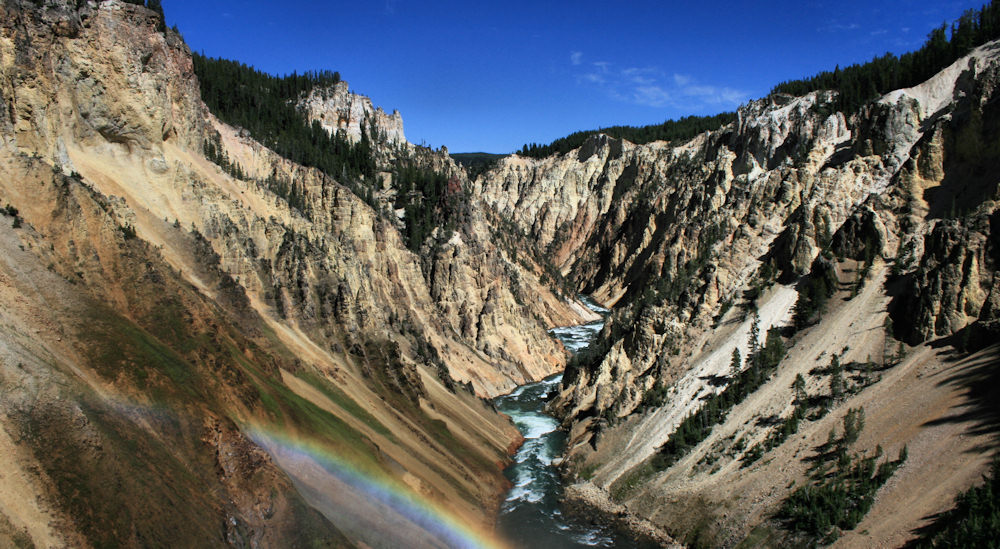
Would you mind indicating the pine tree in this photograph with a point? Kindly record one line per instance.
(854, 422)
(754, 343)
(836, 378)
(799, 387)
(774, 349)
(157, 6)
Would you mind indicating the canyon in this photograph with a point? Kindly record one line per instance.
(696, 242)
(187, 354)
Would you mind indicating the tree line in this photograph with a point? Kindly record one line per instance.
(761, 363)
(837, 500)
(856, 84)
(429, 200)
(671, 130)
(265, 106)
(973, 522)
(861, 83)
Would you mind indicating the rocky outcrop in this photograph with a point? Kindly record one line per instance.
(621, 216)
(337, 109)
(557, 201)
(342, 269)
(948, 255)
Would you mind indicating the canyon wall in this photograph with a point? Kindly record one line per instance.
(893, 207)
(168, 324)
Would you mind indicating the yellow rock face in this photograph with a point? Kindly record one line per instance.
(318, 324)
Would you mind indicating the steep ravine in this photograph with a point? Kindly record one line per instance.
(532, 514)
(890, 210)
(537, 511)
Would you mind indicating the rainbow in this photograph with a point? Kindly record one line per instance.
(377, 511)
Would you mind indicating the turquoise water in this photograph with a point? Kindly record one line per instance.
(532, 515)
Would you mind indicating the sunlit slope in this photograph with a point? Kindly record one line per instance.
(172, 333)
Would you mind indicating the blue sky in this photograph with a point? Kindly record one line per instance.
(493, 76)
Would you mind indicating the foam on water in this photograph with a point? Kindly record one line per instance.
(576, 338)
(593, 538)
(534, 425)
(535, 449)
(517, 392)
(530, 514)
(592, 305)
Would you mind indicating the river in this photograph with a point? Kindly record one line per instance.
(531, 516)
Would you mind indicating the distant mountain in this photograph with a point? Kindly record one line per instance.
(477, 162)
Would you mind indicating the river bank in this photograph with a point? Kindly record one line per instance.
(539, 510)
(585, 498)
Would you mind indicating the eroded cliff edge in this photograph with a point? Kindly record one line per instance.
(890, 211)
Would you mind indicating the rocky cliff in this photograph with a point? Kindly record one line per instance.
(189, 355)
(178, 328)
(890, 208)
(337, 109)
